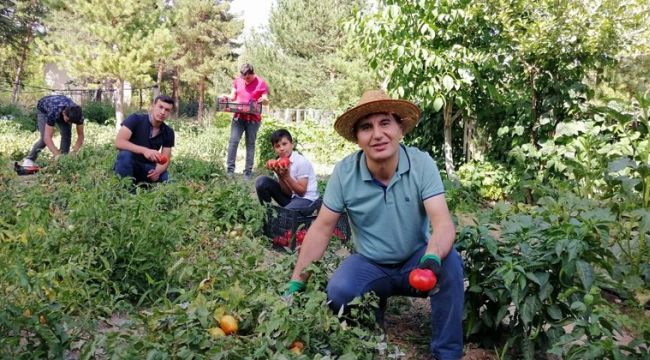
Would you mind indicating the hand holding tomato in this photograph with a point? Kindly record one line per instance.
(162, 159)
(427, 274)
(422, 279)
(281, 163)
(284, 162)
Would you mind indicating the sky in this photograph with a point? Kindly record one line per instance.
(255, 12)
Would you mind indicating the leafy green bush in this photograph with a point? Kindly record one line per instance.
(98, 112)
(222, 119)
(604, 155)
(188, 108)
(491, 181)
(10, 109)
(537, 270)
(25, 119)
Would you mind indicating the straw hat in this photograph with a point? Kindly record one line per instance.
(374, 102)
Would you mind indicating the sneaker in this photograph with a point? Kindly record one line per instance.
(28, 163)
(230, 174)
(247, 177)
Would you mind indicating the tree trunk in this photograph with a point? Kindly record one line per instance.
(533, 110)
(21, 65)
(448, 150)
(199, 113)
(176, 89)
(119, 104)
(159, 78)
(98, 94)
(468, 135)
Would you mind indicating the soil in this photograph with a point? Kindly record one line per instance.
(407, 326)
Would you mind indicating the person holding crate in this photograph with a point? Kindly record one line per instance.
(247, 88)
(295, 186)
(394, 198)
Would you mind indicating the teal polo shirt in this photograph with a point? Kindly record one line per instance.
(388, 223)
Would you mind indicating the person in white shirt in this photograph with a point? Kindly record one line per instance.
(294, 185)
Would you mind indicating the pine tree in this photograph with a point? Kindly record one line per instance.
(203, 32)
(306, 56)
(20, 25)
(121, 40)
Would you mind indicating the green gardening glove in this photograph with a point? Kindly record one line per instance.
(294, 286)
(431, 262)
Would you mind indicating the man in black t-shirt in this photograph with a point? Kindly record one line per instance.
(145, 144)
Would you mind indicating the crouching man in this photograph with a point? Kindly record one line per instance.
(145, 144)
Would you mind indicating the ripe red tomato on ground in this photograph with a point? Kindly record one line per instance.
(422, 279)
(162, 159)
(297, 347)
(228, 324)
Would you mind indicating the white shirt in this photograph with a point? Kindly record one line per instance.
(301, 168)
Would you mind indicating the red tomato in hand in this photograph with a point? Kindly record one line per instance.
(422, 279)
(284, 162)
(271, 164)
(162, 160)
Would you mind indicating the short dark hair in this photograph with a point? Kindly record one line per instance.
(74, 114)
(277, 135)
(164, 98)
(246, 69)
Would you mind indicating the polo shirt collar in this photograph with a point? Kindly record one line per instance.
(403, 164)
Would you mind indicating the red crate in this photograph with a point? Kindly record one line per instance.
(25, 170)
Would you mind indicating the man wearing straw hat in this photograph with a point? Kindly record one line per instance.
(394, 198)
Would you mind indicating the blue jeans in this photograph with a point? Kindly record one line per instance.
(237, 128)
(128, 164)
(269, 189)
(358, 275)
(66, 137)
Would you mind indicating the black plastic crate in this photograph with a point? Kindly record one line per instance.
(251, 107)
(286, 228)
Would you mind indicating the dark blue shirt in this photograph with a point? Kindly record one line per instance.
(53, 106)
(141, 129)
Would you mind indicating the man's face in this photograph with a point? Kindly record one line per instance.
(378, 135)
(161, 110)
(283, 148)
(248, 78)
